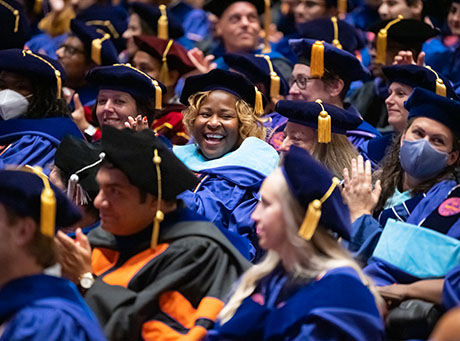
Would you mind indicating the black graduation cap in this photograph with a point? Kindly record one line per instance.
(322, 56)
(333, 31)
(159, 19)
(14, 25)
(78, 161)
(28, 192)
(132, 152)
(425, 103)
(420, 76)
(34, 66)
(228, 81)
(259, 69)
(98, 45)
(217, 7)
(110, 19)
(317, 190)
(126, 78)
(316, 114)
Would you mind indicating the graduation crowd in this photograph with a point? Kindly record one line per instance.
(229, 170)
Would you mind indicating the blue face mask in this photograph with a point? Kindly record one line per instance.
(421, 160)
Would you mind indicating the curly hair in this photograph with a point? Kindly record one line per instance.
(44, 102)
(250, 124)
(391, 172)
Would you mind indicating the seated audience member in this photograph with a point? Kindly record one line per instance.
(395, 35)
(409, 9)
(402, 79)
(152, 20)
(85, 48)
(260, 70)
(238, 30)
(417, 177)
(34, 116)
(224, 118)
(325, 72)
(147, 278)
(75, 167)
(444, 57)
(308, 128)
(126, 97)
(307, 287)
(35, 306)
(166, 61)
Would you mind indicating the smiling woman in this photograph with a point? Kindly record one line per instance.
(228, 153)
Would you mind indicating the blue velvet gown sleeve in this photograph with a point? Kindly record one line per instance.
(226, 204)
(29, 150)
(52, 319)
(451, 289)
(364, 236)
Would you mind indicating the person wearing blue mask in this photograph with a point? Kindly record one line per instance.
(34, 117)
(307, 287)
(402, 80)
(414, 184)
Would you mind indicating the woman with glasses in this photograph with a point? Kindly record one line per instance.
(34, 117)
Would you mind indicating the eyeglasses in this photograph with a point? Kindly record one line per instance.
(70, 50)
(301, 81)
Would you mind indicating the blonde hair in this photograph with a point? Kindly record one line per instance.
(250, 124)
(335, 155)
(312, 258)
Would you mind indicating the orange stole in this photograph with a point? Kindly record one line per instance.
(174, 304)
(103, 260)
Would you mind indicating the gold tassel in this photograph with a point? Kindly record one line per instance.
(382, 41)
(342, 8)
(311, 220)
(285, 8)
(47, 202)
(336, 41)
(267, 23)
(162, 29)
(324, 125)
(259, 105)
(275, 84)
(441, 89)
(96, 47)
(158, 95)
(317, 59)
(38, 6)
(57, 73)
(164, 71)
(159, 215)
(47, 211)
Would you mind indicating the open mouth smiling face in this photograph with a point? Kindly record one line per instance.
(216, 127)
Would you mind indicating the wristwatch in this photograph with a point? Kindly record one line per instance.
(90, 131)
(86, 280)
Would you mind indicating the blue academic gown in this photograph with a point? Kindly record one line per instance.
(42, 307)
(228, 191)
(364, 132)
(366, 232)
(375, 149)
(33, 141)
(336, 307)
(451, 289)
(444, 59)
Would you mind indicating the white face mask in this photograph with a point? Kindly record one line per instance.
(12, 104)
